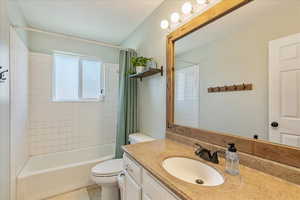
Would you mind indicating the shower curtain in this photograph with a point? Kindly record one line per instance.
(127, 103)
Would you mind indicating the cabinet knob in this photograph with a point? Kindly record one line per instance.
(274, 124)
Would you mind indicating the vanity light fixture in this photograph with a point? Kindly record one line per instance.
(175, 17)
(164, 24)
(189, 11)
(202, 2)
(187, 8)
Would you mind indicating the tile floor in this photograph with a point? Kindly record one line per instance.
(89, 193)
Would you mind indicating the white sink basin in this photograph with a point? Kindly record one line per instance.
(193, 171)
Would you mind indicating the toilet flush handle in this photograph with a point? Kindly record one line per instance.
(128, 168)
(122, 174)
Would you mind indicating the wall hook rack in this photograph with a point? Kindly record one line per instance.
(230, 88)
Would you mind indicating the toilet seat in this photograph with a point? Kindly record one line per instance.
(108, 168)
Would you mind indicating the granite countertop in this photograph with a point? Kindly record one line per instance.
(250, 185)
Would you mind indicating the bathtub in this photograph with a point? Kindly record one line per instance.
(48, 175)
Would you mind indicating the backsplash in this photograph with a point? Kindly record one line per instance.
(63, 126)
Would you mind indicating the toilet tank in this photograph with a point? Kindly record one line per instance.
(139, 137)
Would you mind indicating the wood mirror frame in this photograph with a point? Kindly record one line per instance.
(264, 149)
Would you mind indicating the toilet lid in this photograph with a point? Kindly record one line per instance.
(108, 168)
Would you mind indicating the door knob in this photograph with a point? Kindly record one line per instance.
(274, 124)
(2, 74)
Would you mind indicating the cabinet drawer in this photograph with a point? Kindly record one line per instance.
(133, 169)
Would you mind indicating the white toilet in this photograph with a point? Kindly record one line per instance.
(106, 173)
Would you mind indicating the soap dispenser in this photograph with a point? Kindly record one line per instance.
(232, 160)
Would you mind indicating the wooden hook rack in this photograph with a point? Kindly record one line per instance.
(230, 88)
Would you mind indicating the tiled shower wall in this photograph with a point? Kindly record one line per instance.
(63, 126)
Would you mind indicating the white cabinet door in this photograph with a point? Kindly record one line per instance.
(164, 196)
(153, 189)
(284, 90)
(132, 190)
(169, 196)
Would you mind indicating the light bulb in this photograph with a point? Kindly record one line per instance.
(175, 17)
(187, 8)
(202, 2)
(164, 24)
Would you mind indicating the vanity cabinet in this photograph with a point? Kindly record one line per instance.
(141, 185)
(153, 189)
(132, 190)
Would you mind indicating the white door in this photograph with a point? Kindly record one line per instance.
(132, 190)
(4, 102)
(284, 90)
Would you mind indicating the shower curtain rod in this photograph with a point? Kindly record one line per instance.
(68, 37)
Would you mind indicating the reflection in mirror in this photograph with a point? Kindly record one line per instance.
(257, 44)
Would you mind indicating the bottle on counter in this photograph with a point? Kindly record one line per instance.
(232, 160)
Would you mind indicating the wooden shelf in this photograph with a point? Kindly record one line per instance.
(149, 72)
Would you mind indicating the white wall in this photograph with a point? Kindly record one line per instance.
(19, 106)
(42, 43)
(58, 126)
(149, 39)
(16, 17)
(4, 105)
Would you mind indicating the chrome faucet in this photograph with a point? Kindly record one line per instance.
(206, 154)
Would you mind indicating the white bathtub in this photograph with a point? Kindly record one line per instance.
(48, 175)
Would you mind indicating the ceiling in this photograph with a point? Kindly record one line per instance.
(103, 20)
(232, 22)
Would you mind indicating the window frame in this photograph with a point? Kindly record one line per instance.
(80, 79)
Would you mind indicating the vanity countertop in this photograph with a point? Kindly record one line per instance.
(251, 185)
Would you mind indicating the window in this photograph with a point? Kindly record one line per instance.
(77, 79)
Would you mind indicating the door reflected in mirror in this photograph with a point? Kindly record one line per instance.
(258, 44)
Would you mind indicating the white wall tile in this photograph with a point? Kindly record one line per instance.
(57, 126)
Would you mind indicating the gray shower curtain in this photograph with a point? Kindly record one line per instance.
(127, 103)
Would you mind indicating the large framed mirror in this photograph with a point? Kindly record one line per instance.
(234, 76)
